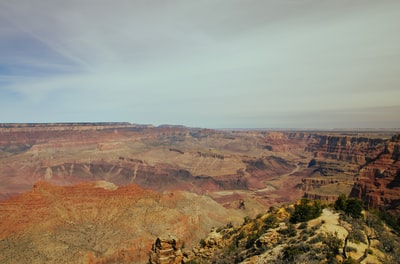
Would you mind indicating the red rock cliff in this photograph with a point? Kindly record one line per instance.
(378, 184)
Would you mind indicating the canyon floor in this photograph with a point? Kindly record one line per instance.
(95, 190)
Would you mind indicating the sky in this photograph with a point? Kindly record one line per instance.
(209, 63)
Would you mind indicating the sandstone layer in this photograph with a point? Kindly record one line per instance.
(98, 222)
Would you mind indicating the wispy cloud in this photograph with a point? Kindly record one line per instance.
(207, 63)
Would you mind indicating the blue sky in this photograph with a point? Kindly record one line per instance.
(216, 64)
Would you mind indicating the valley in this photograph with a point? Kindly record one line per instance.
(92, 191)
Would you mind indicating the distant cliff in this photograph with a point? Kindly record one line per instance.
(358, 150)
(378, 184)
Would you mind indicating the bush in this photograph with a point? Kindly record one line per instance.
(390, 220)
(304, 237)
(357, 236)
(271, 209)
(305, 211)
(251, 239)
(340, 203)
(303, 225)
(332, 245)
(290, 253)
(270, 221)
(290, 231)
(352, 206)
(316, 239)
(202, 242)
(246, 220)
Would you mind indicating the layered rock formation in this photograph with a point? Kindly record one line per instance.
(160, 158)
(266, 165)
(378, 184)
(110, 219)
(357, 150)
(99, 222)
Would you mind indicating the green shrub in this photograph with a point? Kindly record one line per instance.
(290, 231)
(340, 203)
(270, 221)
(290, 253)
(303, 225)
(304, 237)
(271, 209)
(354, 207)
(251, 239)
(390, 220)
(316, 239)
(332, 245)
(246, 220)
(202, 242)
(306, 210)
(357, 236)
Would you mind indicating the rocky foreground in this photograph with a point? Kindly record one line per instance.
(332, 237)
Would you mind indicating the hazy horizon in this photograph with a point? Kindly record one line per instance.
(211, 64)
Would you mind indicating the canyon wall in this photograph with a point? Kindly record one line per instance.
(273, 163)
(378, 184)
(357, 150)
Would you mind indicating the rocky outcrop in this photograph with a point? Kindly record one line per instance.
(166, 251)
(378, 184)
(208, 246)
(273, 238)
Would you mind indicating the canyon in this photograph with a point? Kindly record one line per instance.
(378, 183)
(95, 190)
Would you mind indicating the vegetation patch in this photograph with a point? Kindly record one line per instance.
(306, 210)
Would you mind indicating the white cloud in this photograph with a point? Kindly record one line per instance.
(199, 62)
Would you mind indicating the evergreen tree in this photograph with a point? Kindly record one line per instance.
(306, 210)
(354, 208)
(340, 203)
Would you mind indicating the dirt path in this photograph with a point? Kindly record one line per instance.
(331, 223)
